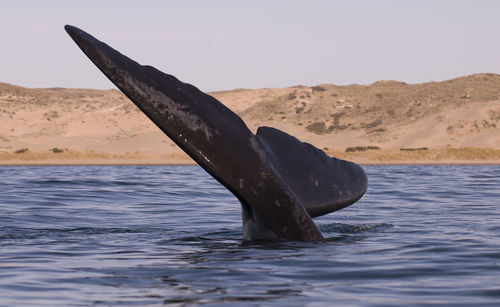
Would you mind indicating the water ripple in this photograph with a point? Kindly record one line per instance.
(144, 235)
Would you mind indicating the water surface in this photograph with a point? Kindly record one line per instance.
(155, 235)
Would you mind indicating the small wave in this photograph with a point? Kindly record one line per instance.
(223, 236)
(351, 229)
(14, 233)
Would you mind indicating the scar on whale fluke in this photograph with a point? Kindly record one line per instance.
(280, 181)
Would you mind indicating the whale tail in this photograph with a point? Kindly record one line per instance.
(280, 181)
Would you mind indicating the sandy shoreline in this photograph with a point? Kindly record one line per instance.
(143, 163)
(433, 156)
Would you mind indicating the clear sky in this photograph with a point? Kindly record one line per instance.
(219, 45)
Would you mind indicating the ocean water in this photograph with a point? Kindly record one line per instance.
(171, 235)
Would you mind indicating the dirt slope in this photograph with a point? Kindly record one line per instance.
(462, 112)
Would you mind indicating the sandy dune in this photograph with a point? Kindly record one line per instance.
(92, 126)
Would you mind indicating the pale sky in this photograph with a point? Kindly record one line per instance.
(219, 45)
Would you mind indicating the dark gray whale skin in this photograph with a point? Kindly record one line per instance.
(280, 181)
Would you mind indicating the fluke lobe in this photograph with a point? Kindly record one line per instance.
(280, 181)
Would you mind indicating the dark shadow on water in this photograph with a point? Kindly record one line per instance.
(229, 240)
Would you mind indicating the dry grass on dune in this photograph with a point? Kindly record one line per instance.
(465, 155)
(26, 156)
(443, 154)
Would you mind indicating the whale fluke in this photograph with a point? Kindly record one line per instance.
(280, 181)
